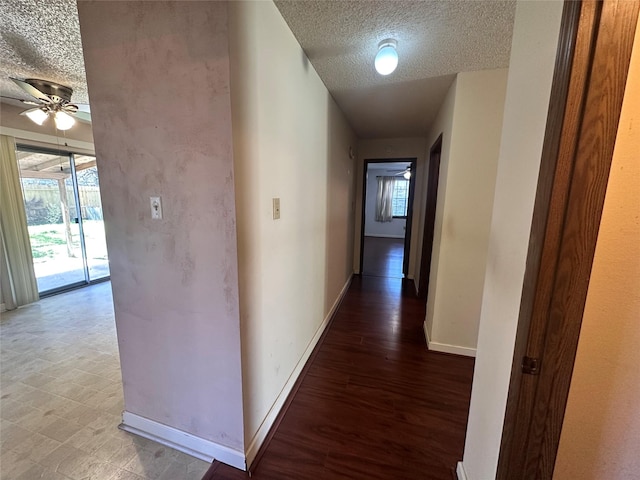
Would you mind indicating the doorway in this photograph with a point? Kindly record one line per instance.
(433, 180)
(61, 193)
(387, 211)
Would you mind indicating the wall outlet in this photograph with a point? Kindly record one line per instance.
(156, 208)
(276, 208)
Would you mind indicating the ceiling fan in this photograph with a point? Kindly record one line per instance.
(406, 173)
(52, 100)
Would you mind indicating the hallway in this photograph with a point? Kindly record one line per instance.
(374, 404)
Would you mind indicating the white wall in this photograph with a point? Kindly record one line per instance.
(394, 228)
(291, 142)
(601, 429)
(533, 51)
(463, 212)
(390, 148)
(159, 83)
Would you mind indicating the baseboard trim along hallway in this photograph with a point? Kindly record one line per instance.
(182, 441)
(445, 347)
(268, 422)
(462, 475)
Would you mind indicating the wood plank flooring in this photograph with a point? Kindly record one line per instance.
(382, 257)
(374, 403)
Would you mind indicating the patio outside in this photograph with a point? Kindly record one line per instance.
(59, 197)
(54, 267)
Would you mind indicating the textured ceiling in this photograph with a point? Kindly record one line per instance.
(436, 40)
(41, 39)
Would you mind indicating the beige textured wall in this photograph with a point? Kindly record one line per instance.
(601, 430)
(463, 218)
(533, 53)
(158, 76)
(290, 142)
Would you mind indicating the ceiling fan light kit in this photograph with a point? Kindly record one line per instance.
(36, 115)
(386, 59)
(63, 120)
(52, 100)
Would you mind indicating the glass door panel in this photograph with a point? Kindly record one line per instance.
(51, 212)
(91, 213)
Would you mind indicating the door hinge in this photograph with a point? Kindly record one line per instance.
(530, 365)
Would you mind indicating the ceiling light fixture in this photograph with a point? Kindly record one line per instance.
(63, 120)
(37, 115)
(52, 100)
(387, 57)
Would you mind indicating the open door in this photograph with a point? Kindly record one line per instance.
(591, 73)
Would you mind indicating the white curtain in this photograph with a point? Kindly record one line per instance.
(384, 199)
(18, 284)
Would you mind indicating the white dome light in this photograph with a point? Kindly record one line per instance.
(387, 57)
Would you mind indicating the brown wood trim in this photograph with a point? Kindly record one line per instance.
(408, 226)
(433, 180)
(597, 139)
(515, 426)
(572, 217)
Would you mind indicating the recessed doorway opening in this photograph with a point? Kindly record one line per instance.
(387, 213)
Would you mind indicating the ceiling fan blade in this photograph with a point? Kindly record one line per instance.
(12, 99)
(31, 90)
(30, 102)
(83, 107)
(83, 116)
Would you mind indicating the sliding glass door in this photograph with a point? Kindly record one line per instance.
(61, 195)
(91, 215)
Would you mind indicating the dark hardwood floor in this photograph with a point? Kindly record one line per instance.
(382, 257)
(374, 403)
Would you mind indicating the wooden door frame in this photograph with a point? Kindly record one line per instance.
(433, 180)
(588, 87)
(409, 221)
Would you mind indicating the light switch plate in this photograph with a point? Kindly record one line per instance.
(156, 208)
(276, 208)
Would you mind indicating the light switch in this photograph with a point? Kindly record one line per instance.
(156, 208)
(276, 208)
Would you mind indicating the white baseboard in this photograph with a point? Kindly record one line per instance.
(445, 347)
(182, 441)
(382, 235)
(268, 421)
(462, 475)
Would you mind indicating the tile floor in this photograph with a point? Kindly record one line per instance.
(61, 397)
